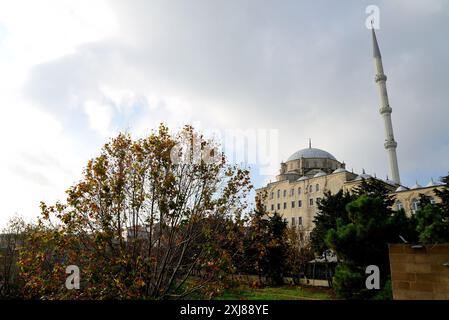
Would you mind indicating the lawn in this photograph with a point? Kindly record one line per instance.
(277, 293)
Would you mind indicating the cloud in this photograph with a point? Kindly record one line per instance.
(79, 74)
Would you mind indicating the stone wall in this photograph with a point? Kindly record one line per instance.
(419, 274)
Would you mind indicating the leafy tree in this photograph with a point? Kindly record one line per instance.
(147, 220)
(363, 242)
(299, 252)
(330, 209)
(11, 238)
(266, 244)
(433, 219)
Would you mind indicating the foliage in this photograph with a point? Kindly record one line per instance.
(330, 209)
(147, 216)
(363, 238)
(299, 252)
(11, 238)
(265, 245)
(433, 219)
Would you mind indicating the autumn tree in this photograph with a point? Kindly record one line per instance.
(11, 238)
(142, 222)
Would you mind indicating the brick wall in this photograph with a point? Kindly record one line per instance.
(419, 274)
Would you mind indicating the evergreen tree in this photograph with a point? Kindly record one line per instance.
(433, 219)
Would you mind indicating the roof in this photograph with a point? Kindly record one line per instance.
(340, 170)
(311, 153)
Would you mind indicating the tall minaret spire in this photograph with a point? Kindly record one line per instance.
(385, 111)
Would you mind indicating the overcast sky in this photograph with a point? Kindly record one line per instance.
(74, 73)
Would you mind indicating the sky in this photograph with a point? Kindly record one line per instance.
(75, 73)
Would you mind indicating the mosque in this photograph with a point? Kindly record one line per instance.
(309, 173)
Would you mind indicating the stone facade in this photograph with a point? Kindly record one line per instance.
(420, 272)
(302, 182)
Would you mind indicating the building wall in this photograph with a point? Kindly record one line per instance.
(308, 192)
(406, 198)
(419, 274)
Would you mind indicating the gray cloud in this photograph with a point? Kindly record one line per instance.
(302, 67)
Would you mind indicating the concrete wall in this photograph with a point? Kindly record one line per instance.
(419, 274)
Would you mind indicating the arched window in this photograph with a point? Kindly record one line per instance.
(399, 205)
(310, 188)
(299, 191)
(317, 187)
(285, 193)
(415, 205)
(292, 192)
(279, 194)
(272, 195)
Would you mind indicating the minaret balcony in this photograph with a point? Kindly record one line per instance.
(390, 144)
(386, 109)
(380, 77)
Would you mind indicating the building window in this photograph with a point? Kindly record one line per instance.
(299, 204)
(293, 221)
(299, 191)
(299, 221)
(272, 195)
(279, 206)
(285, 205)
(272, 207)
(399, 205)
(292, 192)
(285, 193)
(311, 201)
(415, 205)
(310, 188)
(279, 194)
(317, 188)
(293, 204)
(318, 201)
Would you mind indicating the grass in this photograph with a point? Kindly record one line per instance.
(277, 293)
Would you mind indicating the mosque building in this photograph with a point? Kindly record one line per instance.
(309, 173)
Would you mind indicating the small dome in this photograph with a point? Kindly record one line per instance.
(303, 178)
(339, 170)
(401, 188)
(320, 174)
(416, 186)
(434, 184)
(311, 153)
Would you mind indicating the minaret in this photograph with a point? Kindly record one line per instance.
(385, 111)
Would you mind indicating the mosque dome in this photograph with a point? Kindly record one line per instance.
(303, 178)
(313, 153)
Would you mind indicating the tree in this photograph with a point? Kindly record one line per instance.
(433, 219)
(141, 222)
(11, 238)
(358, 228)
(266, 245)
(330, 209)
(299, 252)
(363, 241)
